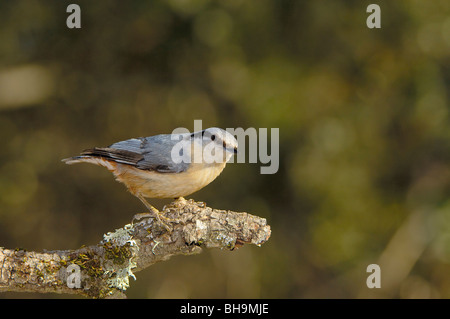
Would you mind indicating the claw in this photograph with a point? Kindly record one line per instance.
(153, 249)
(153, 213)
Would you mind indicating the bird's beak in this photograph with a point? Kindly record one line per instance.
(231, 150)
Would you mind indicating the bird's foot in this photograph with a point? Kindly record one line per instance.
(161, 219)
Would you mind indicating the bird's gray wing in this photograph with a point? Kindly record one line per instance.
(146, 153)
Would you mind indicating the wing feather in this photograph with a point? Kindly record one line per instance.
(146, 153)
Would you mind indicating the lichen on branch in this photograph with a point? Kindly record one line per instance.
(105, 269)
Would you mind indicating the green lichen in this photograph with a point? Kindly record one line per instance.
(88, 261)
(118, 254)
(120, 249)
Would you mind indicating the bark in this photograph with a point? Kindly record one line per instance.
(103, 270)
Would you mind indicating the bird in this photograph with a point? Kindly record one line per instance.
(164, 165)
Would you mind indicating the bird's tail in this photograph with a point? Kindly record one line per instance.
(91, 159)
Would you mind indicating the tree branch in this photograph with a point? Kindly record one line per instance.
(103, 270)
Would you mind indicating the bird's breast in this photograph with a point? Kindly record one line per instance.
(168, 185)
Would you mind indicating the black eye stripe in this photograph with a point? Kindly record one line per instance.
(203, 133)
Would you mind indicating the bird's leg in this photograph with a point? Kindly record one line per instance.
(153, 213)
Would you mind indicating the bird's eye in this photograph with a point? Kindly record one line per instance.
(213, 137)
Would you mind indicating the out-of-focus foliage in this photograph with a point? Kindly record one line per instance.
(364, 135)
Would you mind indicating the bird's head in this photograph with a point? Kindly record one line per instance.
(217, 144)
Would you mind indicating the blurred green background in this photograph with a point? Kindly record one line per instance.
(364, 144)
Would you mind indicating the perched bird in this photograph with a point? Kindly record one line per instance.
(166, 165)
